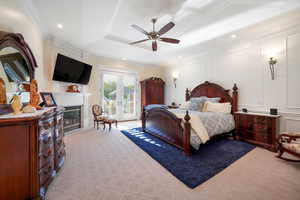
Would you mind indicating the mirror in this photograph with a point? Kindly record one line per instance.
(13, 68)
(17, 66)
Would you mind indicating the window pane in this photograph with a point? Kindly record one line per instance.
(110, 94)
(129, 94)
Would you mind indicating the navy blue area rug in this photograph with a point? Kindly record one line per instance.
(210, 159)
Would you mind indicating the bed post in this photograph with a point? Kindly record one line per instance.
(187, 134)
(143, 118)
(187, 94)
(235, 98)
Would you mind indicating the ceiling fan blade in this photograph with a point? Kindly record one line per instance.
(138, 41)
(169, 40)
(154, 45)
(166, 28)
(139, 29)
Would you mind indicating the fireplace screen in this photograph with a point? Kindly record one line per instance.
(72, 118)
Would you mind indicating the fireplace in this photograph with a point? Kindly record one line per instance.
(72, 118)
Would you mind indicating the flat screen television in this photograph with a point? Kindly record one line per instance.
(70, 70)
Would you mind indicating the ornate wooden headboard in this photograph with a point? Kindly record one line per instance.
(214, 90)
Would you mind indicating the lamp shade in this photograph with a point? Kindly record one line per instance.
(175, 74)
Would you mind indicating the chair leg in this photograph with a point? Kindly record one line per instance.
(94, 123)
(97, 125)
(103, 126)
(280, 153)
(109, 126)
(116, 124)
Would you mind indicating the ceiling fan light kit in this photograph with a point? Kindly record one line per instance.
(156, 35)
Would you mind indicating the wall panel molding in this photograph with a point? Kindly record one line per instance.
(288, 68)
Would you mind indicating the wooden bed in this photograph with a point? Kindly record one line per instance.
(165, 125)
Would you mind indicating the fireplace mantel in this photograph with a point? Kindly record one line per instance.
(70, 99)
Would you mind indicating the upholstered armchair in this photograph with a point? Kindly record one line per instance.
(290, 143)
(98, 115)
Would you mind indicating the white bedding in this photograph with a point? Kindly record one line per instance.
(206, 124)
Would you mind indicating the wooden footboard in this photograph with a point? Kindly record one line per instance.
(163, 124)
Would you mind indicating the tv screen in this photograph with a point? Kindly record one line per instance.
(70, 70)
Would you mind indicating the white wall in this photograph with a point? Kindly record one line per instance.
(248, 67)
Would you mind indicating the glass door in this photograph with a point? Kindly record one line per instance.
(109, 97)
(129, 96)
(119, 95)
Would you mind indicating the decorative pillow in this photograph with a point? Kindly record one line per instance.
(213, 100)
(197, 103)
(217, 107)
(185, 106)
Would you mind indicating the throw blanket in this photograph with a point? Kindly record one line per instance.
(196, 125)
(156, 106)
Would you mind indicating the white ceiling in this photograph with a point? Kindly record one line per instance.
(103, 26)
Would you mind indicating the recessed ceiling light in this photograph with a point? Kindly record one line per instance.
(60, 26)
(233, 36)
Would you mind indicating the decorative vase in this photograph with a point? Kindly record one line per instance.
(2, 92)
(34, 95)
(16, 104)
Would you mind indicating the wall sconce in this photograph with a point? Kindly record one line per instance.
(272, 54)
(175, 77)
(272, 63)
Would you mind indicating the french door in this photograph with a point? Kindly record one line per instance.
(119, 95)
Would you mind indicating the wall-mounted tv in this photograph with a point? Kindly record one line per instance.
(70, 70)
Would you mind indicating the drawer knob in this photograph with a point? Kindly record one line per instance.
(47, 154)
(48, 170)
(48, 140)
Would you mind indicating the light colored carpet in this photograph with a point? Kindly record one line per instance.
(108, 166)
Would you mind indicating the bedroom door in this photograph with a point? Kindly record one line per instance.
(119, 95)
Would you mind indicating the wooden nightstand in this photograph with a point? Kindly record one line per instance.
(257, 128)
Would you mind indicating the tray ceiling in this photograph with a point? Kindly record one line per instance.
(103, 27)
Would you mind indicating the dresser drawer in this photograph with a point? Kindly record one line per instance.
(244, 122)
(45, 141)
(46, 157)
(260, 128)
(60, 157)
(59, 132)
(46, 124)
(244, 133)
(59, 143)
(260, 137)
(60, 151)
(46, 173)
(260, 120)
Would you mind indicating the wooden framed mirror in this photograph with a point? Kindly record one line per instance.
(17, 66)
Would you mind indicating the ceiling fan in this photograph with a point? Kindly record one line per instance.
(156, 35)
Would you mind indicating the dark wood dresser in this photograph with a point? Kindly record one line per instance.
(257, 128)
(152, 91)
(32, 151)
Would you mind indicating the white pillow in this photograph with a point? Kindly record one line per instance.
(185, 106)
(217, 107)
